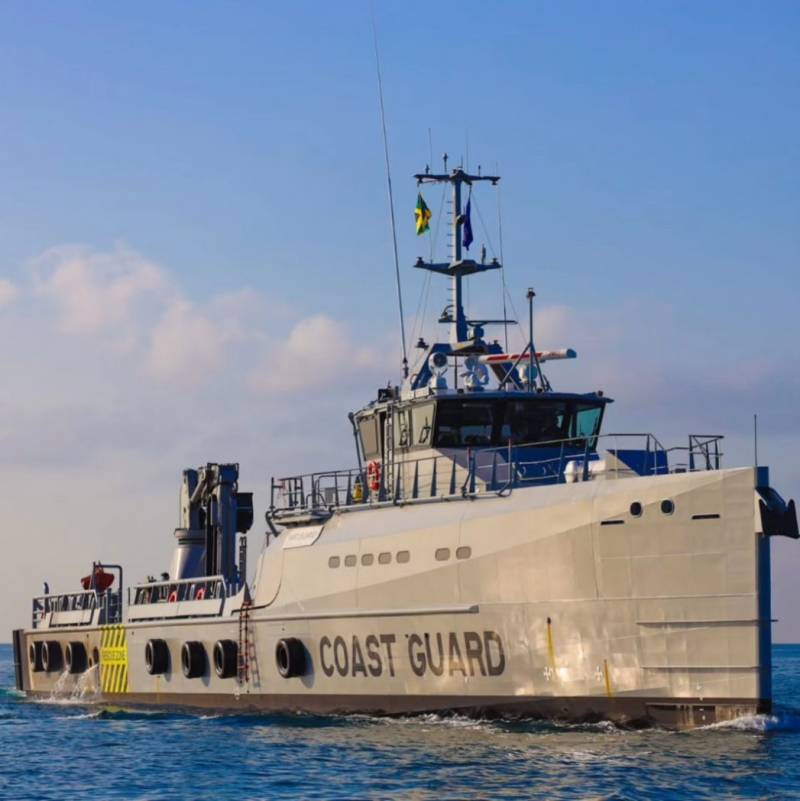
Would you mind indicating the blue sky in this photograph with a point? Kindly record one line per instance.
(193, 194)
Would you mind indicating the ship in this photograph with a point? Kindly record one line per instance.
(490, 552)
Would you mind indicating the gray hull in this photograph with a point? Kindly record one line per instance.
(556, 602)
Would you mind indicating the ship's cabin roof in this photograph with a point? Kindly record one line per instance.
(478, 420)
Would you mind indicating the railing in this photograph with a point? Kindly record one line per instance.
(471, 471)
(199, 597)
(76, 609)
(205, 588)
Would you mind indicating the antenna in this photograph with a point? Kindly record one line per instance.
(755, 440)
(391, 194)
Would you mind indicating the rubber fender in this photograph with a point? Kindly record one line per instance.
(156, 657)
(76, 660)
(52, 655)
(226, 658)
(290, 657)
(193, 659)
(35, 656)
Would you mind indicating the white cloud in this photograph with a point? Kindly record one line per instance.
(8, 292)
(187, 345)
(101, 292)
(317, 349)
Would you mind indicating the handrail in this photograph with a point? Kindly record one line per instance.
(478, 469)
(169, 591)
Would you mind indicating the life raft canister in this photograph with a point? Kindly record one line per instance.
(374, 475)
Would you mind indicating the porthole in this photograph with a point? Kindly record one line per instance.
(384, 558)
(334, 561)
(464, 552)
(367, 559)
(636, 509)
(442, 554)
(667, 507)
(350, 560)
(403, 557)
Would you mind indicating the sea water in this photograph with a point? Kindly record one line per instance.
(68, 750)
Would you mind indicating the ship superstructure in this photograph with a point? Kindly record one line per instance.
(491, 551)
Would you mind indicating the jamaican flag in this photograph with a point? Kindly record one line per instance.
(423, 215)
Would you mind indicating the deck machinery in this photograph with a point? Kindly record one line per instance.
(491, 552)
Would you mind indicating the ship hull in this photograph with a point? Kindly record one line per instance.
(558, 602)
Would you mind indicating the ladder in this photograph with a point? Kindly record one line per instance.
(244, 651)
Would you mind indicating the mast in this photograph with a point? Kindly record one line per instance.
(465, 335)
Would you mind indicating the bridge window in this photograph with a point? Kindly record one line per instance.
(367, 559)
(403, 557)
(368, 431)
(384, 558)
(442, 554)
(526, 422)
(464, 423)
(334, 561)
(350, 560)
(585, 422)
(463, 552)
(422, 427)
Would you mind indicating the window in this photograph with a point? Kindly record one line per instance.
(464, 423)
(533, 421)
(368, 431)
(334, 561)
(403, 557)
(667, 507)
(402, 429)
(367, 559)
(384, 558)
(463, 552)
(636, 509)
(586, 422)
(422, 424)
(350, 560)
(442, 554)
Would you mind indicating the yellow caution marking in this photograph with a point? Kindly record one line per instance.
(113, 659)
(607, 677)
(551, 651)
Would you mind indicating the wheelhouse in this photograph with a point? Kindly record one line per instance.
(480, 420)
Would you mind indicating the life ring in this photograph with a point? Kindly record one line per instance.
(172, 597)
(200, 594)
(374, 475)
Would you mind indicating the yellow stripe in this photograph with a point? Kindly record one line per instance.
(608, 678)
(113, 659)
(551, 651)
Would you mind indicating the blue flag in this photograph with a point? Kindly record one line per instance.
(467, 240)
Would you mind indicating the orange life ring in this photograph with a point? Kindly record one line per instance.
(173, 596)
(200, 594)
(374, 475)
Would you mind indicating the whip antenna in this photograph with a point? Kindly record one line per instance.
(391, 194)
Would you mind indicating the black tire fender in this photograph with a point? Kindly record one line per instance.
(35, 656)
(52, 655)
(193, 659)
(156, 657)
(75, 657)
(290, 657)
(226, 658)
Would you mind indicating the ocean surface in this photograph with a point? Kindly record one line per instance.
(57, 750)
